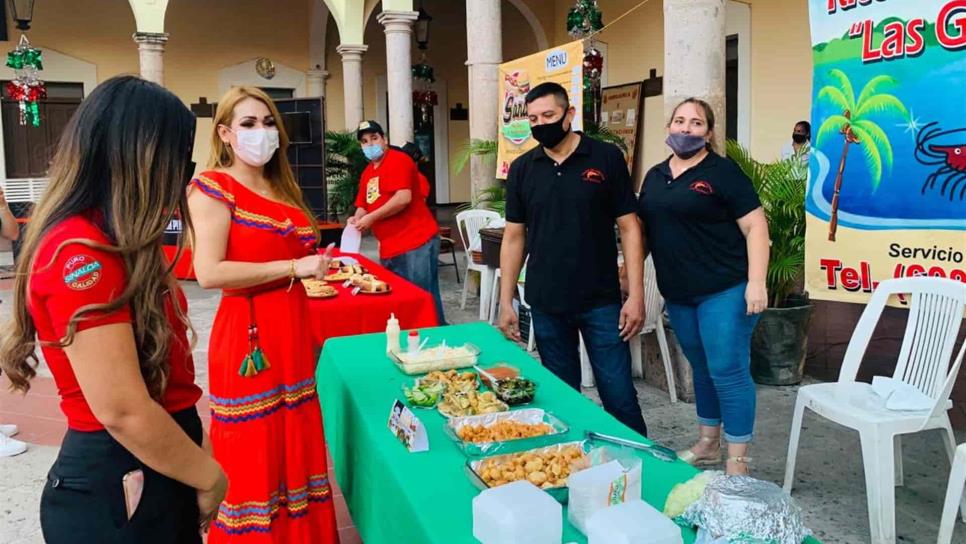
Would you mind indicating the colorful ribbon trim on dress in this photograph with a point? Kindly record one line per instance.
(214, 189)
(241, 409)
(257, 516)
(250, 219)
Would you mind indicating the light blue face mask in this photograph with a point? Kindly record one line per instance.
(373, 152)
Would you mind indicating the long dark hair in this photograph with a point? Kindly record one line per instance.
(126, 155)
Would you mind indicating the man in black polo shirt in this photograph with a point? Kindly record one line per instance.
(562, 200)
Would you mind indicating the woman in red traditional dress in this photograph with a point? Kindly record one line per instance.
(254, 239)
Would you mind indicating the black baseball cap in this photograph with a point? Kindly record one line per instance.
(369, 127)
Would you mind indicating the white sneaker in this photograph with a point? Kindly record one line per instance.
(10, 447)
(9, 429)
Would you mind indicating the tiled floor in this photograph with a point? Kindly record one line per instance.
(42, 424)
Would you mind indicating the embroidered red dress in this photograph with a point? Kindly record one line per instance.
(266, 423)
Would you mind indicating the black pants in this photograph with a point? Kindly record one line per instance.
(83, 500)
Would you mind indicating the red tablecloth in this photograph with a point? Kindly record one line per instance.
(348, 314)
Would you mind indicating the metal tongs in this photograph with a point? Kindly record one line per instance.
(660, 452)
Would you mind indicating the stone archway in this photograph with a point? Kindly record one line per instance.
(538, 32)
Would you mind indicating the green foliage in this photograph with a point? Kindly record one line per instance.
(782, 195)
(603, 134)
(478, 148)
(344, 163)
(494, 197)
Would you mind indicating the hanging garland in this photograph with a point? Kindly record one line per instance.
(593, 68)
(26, 88)
(423, 74)
(584, 18)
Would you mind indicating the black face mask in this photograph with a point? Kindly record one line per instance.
(799, 138)
(550, 134)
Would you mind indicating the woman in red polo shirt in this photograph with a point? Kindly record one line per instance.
(94, 291)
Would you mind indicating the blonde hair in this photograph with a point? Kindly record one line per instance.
(277, 170)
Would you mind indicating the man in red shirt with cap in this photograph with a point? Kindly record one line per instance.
(390, 203)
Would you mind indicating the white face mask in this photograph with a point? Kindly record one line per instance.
(256, 146)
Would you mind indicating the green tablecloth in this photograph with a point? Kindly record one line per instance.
(399, 497)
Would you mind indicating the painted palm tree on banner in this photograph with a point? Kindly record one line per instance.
(858, 126)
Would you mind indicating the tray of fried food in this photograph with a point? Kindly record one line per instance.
(337, 276)
(451, 380)
(353, 269)
(470, 403)
(370, 285)
(547, 467)
(427, 391)
(319, 289)
(487, 434)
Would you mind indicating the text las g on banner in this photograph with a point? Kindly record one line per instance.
(887, 187)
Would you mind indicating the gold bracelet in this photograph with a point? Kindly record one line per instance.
(291, 275)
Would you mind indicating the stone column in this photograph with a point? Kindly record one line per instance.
(399, 77)
(484, 53)
(352, 83)
(695, 67)
(151, 55)
(315, 82)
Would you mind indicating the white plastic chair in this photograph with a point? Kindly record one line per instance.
(653, 322)
(495, 296)
(954, 495)
(469, 223)
(531, 339)
(935, 314)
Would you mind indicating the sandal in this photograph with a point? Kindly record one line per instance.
(741, 460)
(696, 460)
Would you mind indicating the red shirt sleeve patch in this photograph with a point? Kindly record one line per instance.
(82, 272)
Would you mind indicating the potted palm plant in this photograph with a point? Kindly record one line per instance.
(779, 342)
(344, 163)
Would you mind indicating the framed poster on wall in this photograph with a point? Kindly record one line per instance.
(620, 112)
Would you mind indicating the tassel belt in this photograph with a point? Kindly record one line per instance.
(255, 361)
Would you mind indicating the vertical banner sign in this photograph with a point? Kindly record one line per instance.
(620, 113)
(887, 188)
(563, 65)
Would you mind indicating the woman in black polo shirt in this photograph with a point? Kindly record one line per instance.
(705, 227)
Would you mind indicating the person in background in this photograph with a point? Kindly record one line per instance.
(417, 156)
(563, 198)
(800, 146)
(96, 295)
(705, 227)
(799, 150)
(390, 204)
(10, 230)
(255, 239)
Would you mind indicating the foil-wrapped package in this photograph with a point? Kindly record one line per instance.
(744, 510)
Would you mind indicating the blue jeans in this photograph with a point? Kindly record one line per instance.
(715, 335)
(421, 267)
(610, 357)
